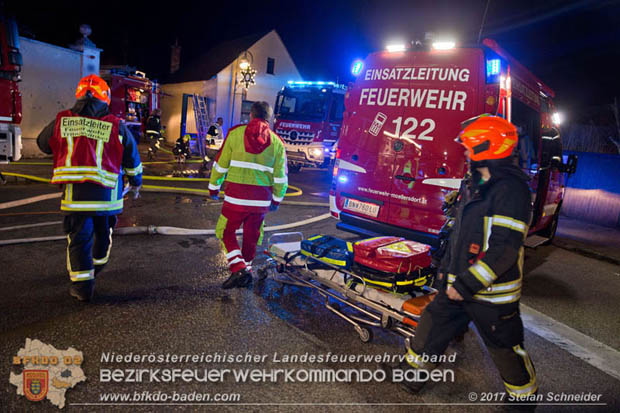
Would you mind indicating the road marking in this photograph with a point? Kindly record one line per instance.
(40, 224)
(576, 343)
(31, 200)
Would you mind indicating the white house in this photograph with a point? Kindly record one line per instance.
(215, 75)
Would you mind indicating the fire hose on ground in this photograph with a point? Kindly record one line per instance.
(150, 229)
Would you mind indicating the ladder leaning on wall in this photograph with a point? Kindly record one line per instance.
(201, 115)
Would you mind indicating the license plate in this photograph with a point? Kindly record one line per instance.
(365, 208)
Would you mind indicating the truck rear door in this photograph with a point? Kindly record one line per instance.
(444, 90)
(367, 158)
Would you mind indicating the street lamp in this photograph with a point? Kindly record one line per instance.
(245, 77)
(247, 72)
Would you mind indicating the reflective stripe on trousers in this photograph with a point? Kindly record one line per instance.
(87, 236)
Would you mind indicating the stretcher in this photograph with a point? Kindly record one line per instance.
(345, 293)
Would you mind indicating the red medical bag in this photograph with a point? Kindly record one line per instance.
(392, 254)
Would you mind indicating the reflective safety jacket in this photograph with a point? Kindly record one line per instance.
(92, 151)
(485, 255)
(252, 162)
(86, 149)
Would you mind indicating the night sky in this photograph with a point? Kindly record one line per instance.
(570, 45)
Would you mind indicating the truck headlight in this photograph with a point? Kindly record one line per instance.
(316, 152)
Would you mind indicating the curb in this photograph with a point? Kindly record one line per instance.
(585, 252)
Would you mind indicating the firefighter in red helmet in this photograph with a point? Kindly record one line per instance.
(92, 150)
(482, 270)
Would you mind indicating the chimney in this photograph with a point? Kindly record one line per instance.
(175, 57)
(90, 53)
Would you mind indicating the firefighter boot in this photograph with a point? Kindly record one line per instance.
(528, 404)
(99, 268)
(241, 278)
(246, 281)
(412, 387)
(83, 290)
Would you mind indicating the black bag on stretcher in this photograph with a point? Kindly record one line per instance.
(328, 249)
(392, 263)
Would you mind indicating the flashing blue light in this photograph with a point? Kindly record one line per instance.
(343, 179)
(493, 67)
(357, 67)
(307, 83)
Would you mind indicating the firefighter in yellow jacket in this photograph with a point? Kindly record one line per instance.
(252, 162)
(92, 151)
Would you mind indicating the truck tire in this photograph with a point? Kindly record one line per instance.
(550, 230)
(294, 168)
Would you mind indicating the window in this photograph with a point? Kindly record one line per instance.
(246, 105)
(271, 66)
(527, 121)
(302, 104)
(337, 108)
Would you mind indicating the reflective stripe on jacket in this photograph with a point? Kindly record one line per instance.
(253, 180)
(486, 246)
(93, 198)
(86, 149)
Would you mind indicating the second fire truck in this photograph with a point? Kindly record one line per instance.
(308, 119)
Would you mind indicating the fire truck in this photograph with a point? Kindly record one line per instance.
(397, 157)
(134, 96)
(308, 119)
(10, 97)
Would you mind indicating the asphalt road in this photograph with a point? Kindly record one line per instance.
(160, 294)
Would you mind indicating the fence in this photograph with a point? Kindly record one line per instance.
(593, 192)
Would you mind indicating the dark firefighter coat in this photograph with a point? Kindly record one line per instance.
(485, 256)
(85, 196)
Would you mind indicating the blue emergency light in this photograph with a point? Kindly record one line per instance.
(494, 67)
(357, 67)
(494, 70)
(307, 83)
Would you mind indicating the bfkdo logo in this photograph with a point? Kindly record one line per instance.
(36, 384)
(41, 371)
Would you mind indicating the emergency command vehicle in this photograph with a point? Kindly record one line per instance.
(308, 118)
(397, 157)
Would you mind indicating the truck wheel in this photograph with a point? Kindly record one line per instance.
(294, 168)
(551, 229)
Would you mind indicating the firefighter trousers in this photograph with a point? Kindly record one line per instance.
(154, 142)
(228, 223)
(89, 241)
(500, 327)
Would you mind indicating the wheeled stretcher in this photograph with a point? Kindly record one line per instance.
(346, 293)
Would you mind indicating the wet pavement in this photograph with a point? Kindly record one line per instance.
(161, 294)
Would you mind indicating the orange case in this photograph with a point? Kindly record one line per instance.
(416, 305)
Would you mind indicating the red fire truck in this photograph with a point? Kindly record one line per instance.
(397, 157)
(10, 97)
(308, 119)
(134, 96)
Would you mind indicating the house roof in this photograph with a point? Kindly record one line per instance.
(213, 61)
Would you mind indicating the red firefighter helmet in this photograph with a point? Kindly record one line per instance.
(96, 85)
(488, 137)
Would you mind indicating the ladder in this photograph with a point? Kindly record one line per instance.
(201, 115)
